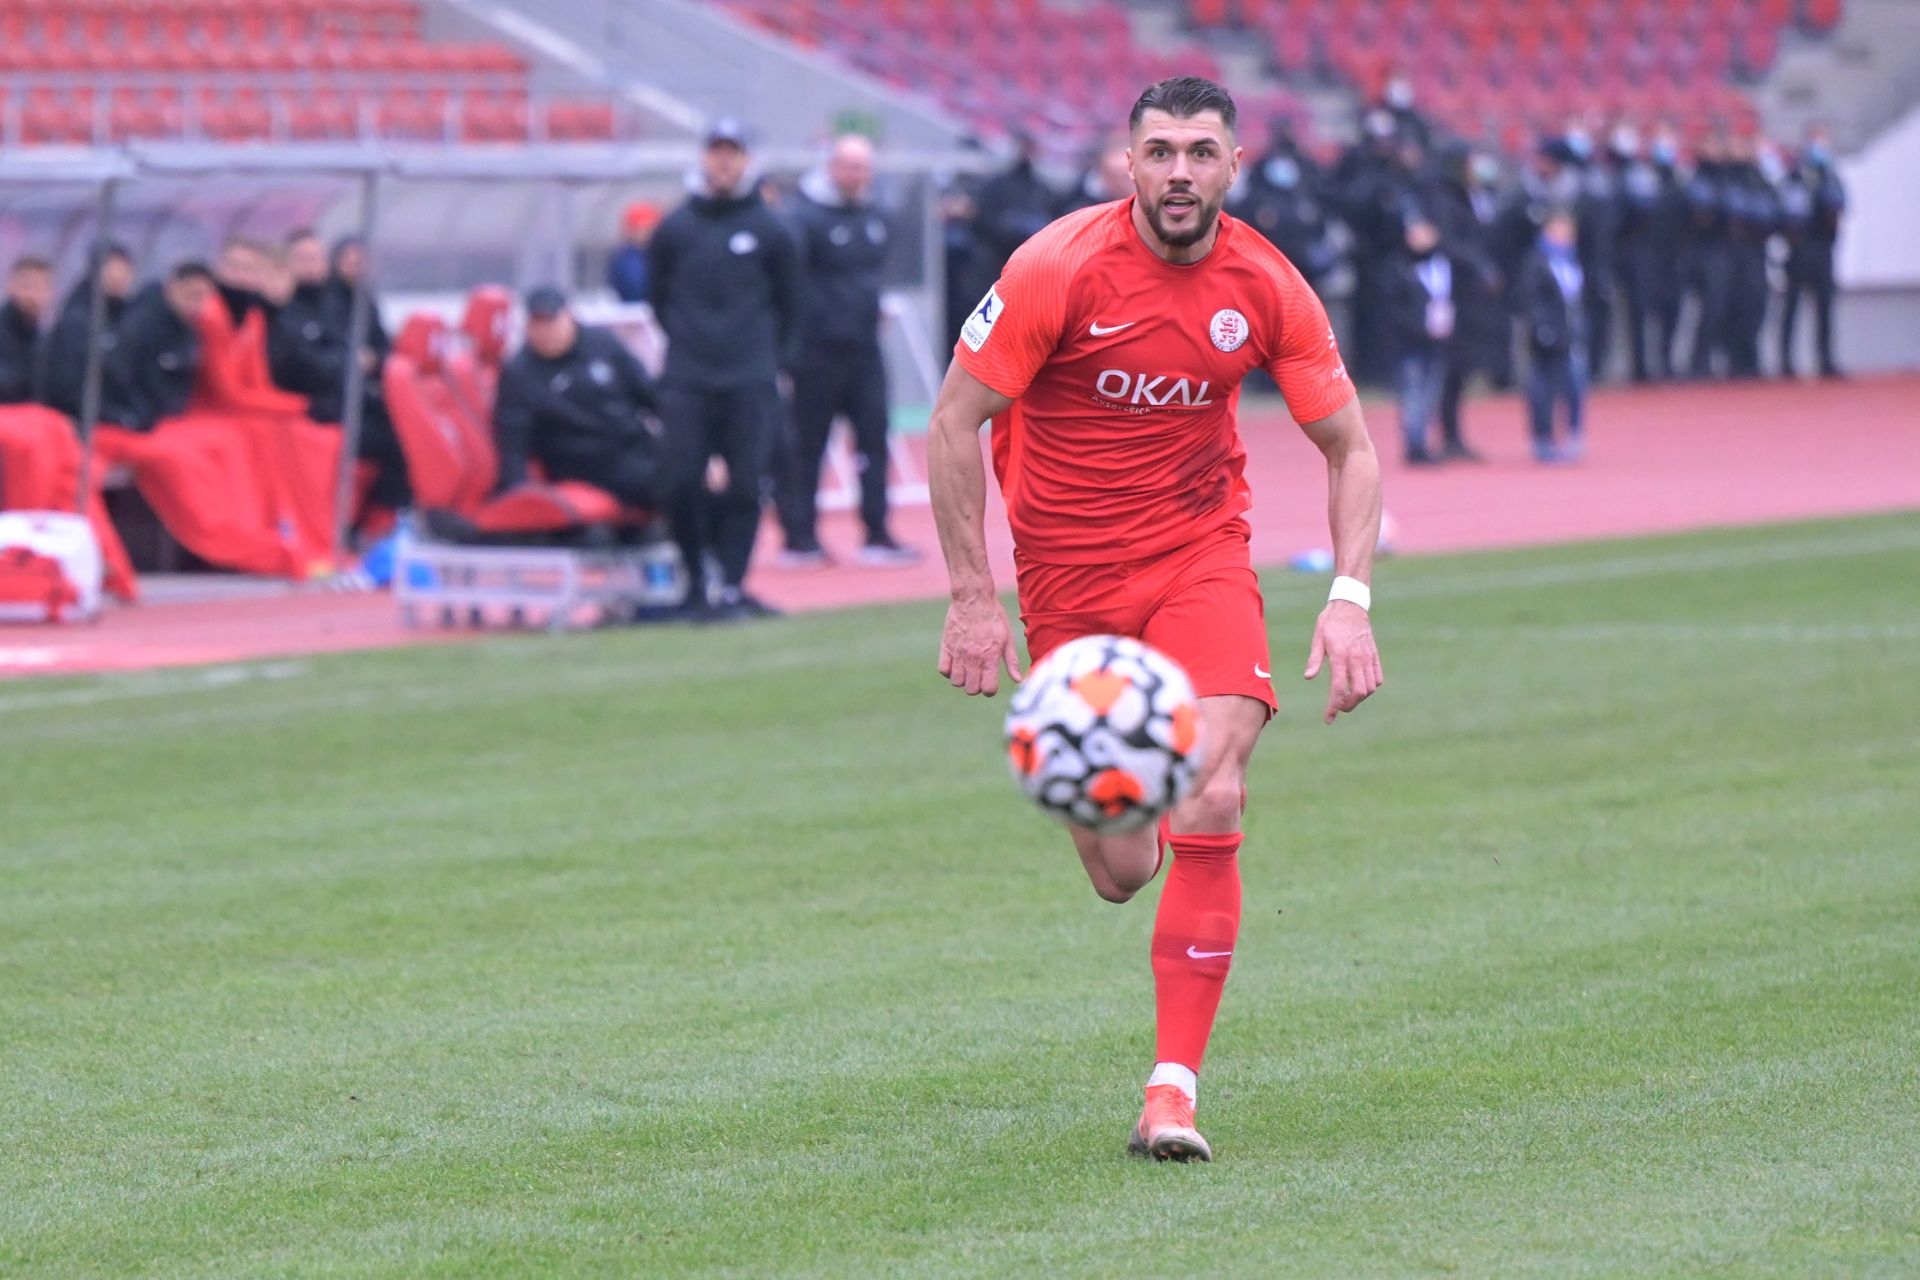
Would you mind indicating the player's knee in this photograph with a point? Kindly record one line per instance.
(1216, 804)
(1115, 892)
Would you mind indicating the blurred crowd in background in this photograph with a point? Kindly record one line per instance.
(1680, 251)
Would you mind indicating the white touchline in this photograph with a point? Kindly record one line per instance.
(1207, 955)
(1099, 332)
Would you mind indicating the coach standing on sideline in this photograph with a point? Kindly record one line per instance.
(837, 367)
(725, 290)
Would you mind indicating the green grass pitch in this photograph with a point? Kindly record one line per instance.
(1590, 948)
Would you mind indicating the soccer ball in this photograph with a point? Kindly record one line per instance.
(1105, 733)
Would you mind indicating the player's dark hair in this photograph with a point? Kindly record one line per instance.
(1184, 97)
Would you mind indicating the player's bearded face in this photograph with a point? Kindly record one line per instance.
(1182, 171)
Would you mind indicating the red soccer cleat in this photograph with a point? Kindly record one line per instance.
(1166, 1131)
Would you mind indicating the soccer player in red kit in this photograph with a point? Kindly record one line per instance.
(1109, 358)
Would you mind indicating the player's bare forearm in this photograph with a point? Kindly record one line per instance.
(1353, 488)
(976, 639)
(957, 481)
(1343, 635)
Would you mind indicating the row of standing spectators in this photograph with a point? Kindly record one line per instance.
(1676, 258)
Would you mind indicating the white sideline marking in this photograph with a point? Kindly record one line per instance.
(1760, 632)
(1656, 563)
(155, 685)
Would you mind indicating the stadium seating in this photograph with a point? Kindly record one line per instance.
(439, 387)
(1488, 68)
(949, 49)
(99, 71)
(1492, 69)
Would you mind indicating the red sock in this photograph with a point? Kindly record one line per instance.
(1193, 939)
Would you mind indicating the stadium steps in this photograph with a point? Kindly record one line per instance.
(1858, 79)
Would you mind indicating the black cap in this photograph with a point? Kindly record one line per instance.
(726, 130)
(545, 302)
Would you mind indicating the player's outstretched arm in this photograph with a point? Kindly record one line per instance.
(1343, 635)
(977, 637)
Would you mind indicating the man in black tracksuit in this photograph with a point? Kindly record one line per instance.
(1752, 210)
(726, 292)
(1653, 222)
(156, 353)
(1812, 203)
(1706, 256)
(576, 400)
(29, 295)
(66, 364)
(1598, 210)
(836, 365)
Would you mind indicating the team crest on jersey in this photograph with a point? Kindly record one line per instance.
(1228, 329)
(743, 242)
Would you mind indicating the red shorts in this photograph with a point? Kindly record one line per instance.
(1199, 604)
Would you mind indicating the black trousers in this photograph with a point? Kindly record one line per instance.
(829, 382)
(1598, 302)
(633, 474)
(1747, 294)
(1709, 273)
(1809, 271)
(738, 425)
(379, 444)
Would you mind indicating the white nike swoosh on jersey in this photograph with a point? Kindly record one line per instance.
(1206, 955)
(1099, 332)
(1264, 675)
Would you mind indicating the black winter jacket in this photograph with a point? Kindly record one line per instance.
(66, 366)
(843, 256)
(19, 356)
(572, 413)
(151, 368)
(725, 290)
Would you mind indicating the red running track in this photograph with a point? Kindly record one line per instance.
(1659, 460)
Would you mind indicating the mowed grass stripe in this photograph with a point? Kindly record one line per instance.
(1587, 951)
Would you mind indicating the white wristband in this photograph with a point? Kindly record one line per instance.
(1352, 590)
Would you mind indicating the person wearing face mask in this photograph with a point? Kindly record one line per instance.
(1370, 187)
(1651, 222)
(1419, 305)
(1281, 198)
(1753, 216)
(1599, 214)
(1813, 201)
(1466, 208)
(1397, 97)
(725, 288)
(1549, 297)
(1706, 259)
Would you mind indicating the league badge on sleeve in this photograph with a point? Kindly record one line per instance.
(979, 325)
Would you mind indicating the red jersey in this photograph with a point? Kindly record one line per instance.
(1125, 370)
